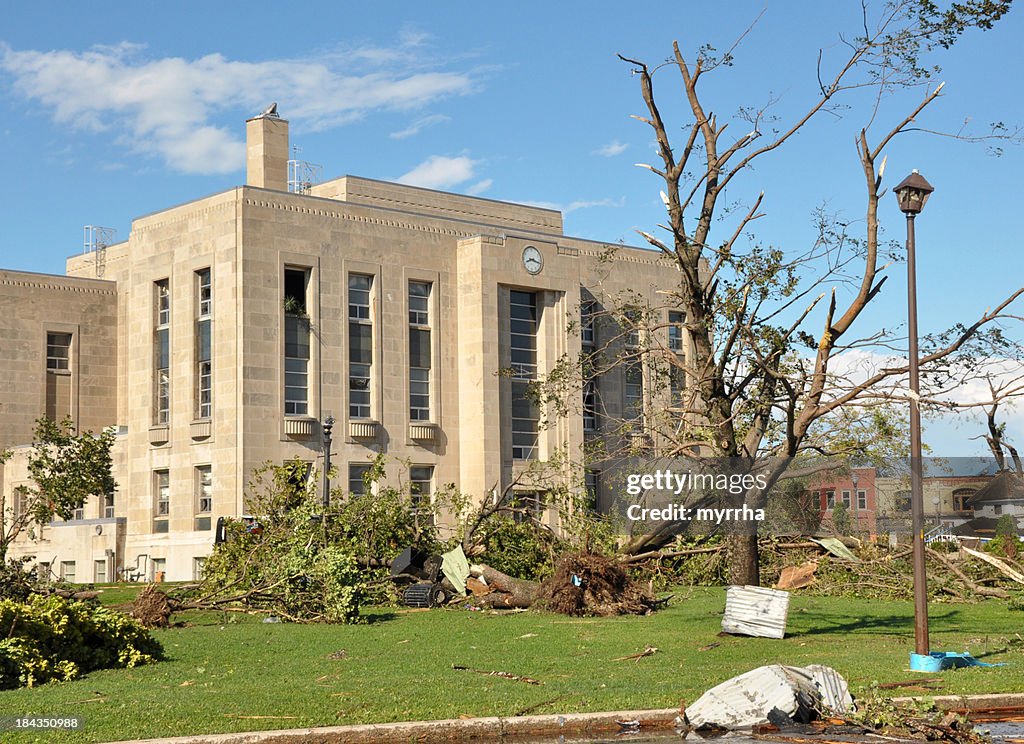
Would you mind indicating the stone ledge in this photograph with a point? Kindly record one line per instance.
(202, 429)
(423, 432)
(362, 429)
(295, 426)
(159, 434)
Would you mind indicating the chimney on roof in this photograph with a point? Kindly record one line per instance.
(266, 141)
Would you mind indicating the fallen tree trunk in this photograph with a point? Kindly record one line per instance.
(507, 593)
(984, 591)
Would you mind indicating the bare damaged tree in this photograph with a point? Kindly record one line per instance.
(761, 382)
(996, 439)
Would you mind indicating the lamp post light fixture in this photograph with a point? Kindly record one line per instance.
(328, 426)
(912, 193)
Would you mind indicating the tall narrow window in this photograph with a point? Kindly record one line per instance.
(108, 505)
(592, 488)
(360, 345)
(21, 501)
(204, 496)
(676, 373)
(419, 351)
(589, 404)
(421, 486)
(523, 351)
(204, 341)
(846, 499)
(296, 343)
(161, 499)
(588, 341)
(58, 351)
(162, 352)
(633, 374)
(862, 499)
(634, 379)
(588, 309)
(58, 376)
(675, 331)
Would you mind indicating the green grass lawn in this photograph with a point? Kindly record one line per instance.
(399, 666)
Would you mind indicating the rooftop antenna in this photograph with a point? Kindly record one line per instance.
(96, 239)
(302, 175)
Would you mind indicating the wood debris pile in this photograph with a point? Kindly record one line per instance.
(590, 584)
(874, 571)
(582, 584)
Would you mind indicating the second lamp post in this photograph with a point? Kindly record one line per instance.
(912, 193)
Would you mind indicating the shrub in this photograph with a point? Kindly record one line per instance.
(306, 566)
(50, 638)
(17, 579)
(1006, 526)
(1008, 546)
(522, 549)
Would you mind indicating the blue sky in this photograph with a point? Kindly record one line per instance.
(114, 110)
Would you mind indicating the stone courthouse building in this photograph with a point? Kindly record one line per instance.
(224, 331)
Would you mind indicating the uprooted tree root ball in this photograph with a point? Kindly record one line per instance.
(591, 584)
(152, 608)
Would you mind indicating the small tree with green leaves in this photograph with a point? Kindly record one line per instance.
(841, 519)
(67, 467)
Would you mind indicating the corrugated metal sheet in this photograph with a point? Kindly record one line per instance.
(746, 700)
(755, 611)
(835, 693)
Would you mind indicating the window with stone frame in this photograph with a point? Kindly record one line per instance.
(161, 500)
(420, 351)
(58, 352)
(421, 490)
(296, 342)
(360, 346)
(204, 345)
(162, 352)
(357, 478)
(523, 323)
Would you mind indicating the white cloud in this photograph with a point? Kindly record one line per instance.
(440, 172)
(419, 125)
(578, 204)
(480, 187)
(164, 106)
(583, 204)
(612, 149)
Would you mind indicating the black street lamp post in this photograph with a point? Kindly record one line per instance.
(912, 193)
(328, 427)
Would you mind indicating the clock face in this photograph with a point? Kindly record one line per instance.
(533, 261)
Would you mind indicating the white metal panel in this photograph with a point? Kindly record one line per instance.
(755, 611)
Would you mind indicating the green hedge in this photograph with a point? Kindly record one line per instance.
(50, 638)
